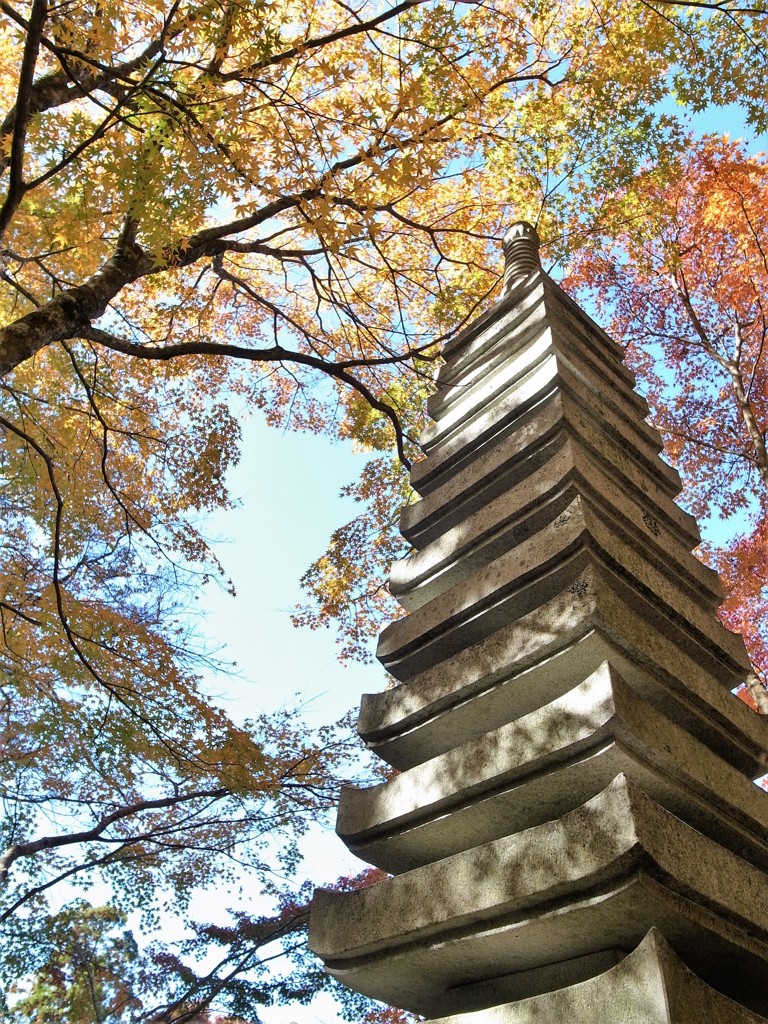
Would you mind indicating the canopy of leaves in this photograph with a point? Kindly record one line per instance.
(685, 277)
(212, 206)
(84, 969)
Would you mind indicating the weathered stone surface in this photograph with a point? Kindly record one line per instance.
(545, 764)
(505, 375)
(490, 426)
(480, 537)
(466, 409)
(650, 986)
(506, 675)
(600, 877)
(504, 325)
(506, 462)
(474, 609)
(523, 576)
(536, 659)
(500, 377)
(480, 346)
(501, 466)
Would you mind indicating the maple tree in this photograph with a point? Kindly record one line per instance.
(211, 207)
(685, 278)
(87, 966)
(86, 962)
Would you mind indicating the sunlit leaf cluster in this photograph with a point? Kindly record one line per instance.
(685, 278)
(211, 207)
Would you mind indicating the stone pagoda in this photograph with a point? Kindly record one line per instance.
(573, 831)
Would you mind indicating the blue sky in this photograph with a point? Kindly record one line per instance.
(287, 485)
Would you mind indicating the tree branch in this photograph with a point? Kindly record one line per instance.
(275, 353)
(71, 83)
(18, 850)
(15, 192)
(724, 6)
(319, 41)
(72, 310)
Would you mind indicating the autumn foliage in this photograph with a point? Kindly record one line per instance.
(211, 208)
(685, 279)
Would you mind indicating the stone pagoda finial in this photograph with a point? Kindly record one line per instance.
(521, 254)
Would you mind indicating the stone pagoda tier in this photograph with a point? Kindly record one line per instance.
(573, 830)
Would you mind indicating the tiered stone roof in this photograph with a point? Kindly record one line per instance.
(574, 809)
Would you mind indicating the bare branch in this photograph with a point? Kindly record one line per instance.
(17, 850)
(276, 353)
(723, 6)
(15, 192)
(317, 42)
